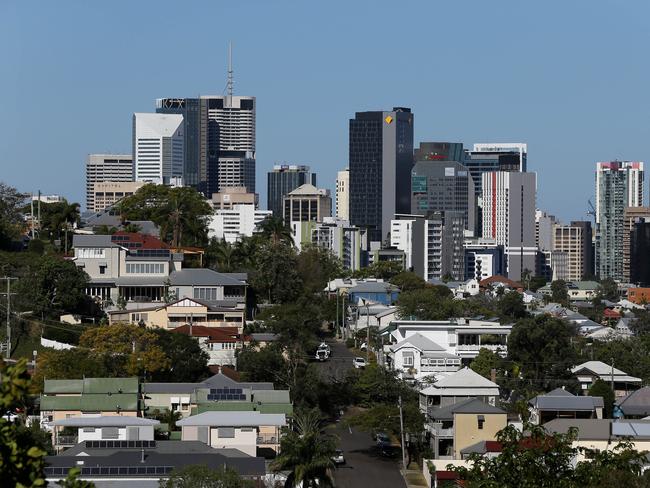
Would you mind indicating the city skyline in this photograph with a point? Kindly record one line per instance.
(551, 90)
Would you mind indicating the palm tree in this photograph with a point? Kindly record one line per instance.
(306, 452)
(273, 228)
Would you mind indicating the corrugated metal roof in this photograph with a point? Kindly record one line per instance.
(202, 277)
(105, 421)
(234, 419)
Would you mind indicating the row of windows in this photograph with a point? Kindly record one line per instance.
(90, 253)
(145, 268)
(205, 293)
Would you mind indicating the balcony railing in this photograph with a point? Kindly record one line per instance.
(477, 347)
(66, 440)
(431, 369)
(267, 439)
(437, 430)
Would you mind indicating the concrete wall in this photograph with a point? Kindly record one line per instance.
(245, 440)
(145, 432)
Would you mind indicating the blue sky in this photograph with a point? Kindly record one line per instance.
(570, 78)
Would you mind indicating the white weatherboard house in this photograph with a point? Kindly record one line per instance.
(587, 373)
(417, 357)
(246, 431)
(456, 387)
(463, 338)
(102, 428)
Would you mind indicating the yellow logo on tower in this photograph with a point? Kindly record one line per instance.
(388, 119)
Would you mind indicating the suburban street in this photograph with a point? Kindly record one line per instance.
(364, 466)
(339, 363)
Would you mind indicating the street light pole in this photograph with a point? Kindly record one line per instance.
(367, 331)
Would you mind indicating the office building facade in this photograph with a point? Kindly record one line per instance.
(107, 193)
(640, 252)
(483, 258)
(219, 142)
(231, 196)
(619, 184)
(231, 224)
(307, 204)
(380, 162)
(158, 147)
(343, 194)
(508, 216)
(345, 241)
(491, 157)
(106, 167)
(282, 180)
(441, 186)
(631, 216)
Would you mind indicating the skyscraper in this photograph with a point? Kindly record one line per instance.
(509, 218)
(283, 180)
(631, 216)
(343, 194)
(441, 185)
(575, 241)
(158, 151)
(307, 204)
(489, 157)
(106, 167)
(639, 252)
(619, 184)
(381, 158)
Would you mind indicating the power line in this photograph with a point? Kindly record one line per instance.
(8, 294)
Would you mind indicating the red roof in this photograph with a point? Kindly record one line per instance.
(611, 314)
(500, 279)
(130, 239)
(493, 446)
(446, 475)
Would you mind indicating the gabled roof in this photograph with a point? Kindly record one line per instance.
(465, 378)
(419, 342)
(308, 189)
(214, 334)
(216, 381)
(373, 287)
(636, 403)
(500, 279)
(599, 368)
(234, 419)
(84, 240)
(202, 277)
(563, 400)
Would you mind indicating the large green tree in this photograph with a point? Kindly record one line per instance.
(276, 277)
(485, 362)
(408, 281)
(316, 267)
(189, 363)
(274, 230)
(11, 201)
(602, 389)
(559, 292)
(182, 213)
(608, 290)
(57, 217)
(431, 303)
(204, 477)
(306, 452)
(510, 306)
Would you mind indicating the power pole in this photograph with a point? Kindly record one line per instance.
(401, 430)
(8, 293)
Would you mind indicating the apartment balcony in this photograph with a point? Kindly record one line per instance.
(66, 440)
(439, 369)
(475, 348)
(266, 439)
(437, 430)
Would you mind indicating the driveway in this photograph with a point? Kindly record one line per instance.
(364, 466)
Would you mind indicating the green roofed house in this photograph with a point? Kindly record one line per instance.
(62, 399)
(219, 393)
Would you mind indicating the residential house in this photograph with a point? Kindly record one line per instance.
(374, 291)
(496, 282)
(417, 357)
(63, 399)
(217, 393)
(457, 387)
(462, 289)
(636, 405)
(578, 290)
(102, 428)
(463, 424)
(462, 337)
(219, 343)
(183, 312)
(367, 313)
(134, 463)
(245, 431)
(562, 404)
(603, 434)
(587, 373)
(639, 296)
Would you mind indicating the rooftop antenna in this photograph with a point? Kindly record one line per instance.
(230, 71)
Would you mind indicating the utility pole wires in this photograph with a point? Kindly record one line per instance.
(8, 293)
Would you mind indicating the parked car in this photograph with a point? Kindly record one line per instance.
(382, 440)
(338, 457)
(359, 363)
(323, 352)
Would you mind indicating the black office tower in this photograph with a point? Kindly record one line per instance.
(283, 180)
(381, 159)
(640, 253)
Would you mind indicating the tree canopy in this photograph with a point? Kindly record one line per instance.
(10, 216)
(182, 213)
(202, 476)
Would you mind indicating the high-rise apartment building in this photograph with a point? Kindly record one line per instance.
(231, 224)
(432, 246)
(231, 196)
(219, 140)
(483, 258)
(307, 204)
(343, 194)
(619, 184)
(490, 157)
(631, 216)
(508, 216)
(380, 162)
(344, 240)
(544, 225)
(284, 179)
(158, 147)
(440, 151)
(106, 167)
(441, 186)
(575, 241)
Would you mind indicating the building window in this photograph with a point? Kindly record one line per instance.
(481, 422)
(89, 430)
(408, 359)
(90, 253)
(226, 433)
(110, 433)
(102, 269)
(205, 294)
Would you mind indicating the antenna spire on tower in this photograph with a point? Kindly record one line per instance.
(230, 71)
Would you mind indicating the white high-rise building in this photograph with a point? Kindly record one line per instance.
(101, 168)
(158, 147)
(234, 223)
(343, 194)
(509, 218)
